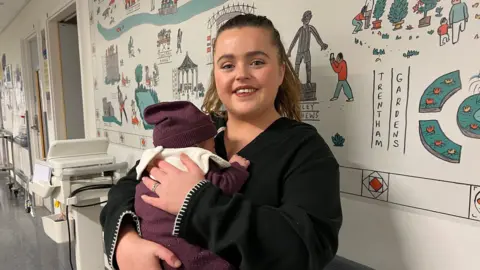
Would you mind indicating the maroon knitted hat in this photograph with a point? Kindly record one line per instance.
(178, 124)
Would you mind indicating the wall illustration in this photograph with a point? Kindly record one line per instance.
(179, 40)
(339, 66)
(375, 185)
(182, 14)
(475, 203)
(308, 95)
(303, 35)
(221, 16)
(392, 85)
(338, 140)
(390, 94)
(163, 46)
(468, 116)
(433, 99)
(437, 93)
(445, 20)
(8, 76)
(437, 143)
(187, 86)
(112, 71)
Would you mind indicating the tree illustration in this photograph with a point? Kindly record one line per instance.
(424, 6)
(139, 74)
(379, 9)
(398, 11)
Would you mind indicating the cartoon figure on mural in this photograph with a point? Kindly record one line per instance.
(339, 65)
(163, 39)
(148, 78)
(121, 103)
(156, 74)
(163, 46)
(303, 50)
(458, 19)
(129, 3)
(168, 7)
(106, 13)
(125, 81)
(179, 40)
(131, 48)
(443, 31)
(135, 121)
(358, 20)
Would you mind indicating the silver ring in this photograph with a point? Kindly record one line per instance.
(155, 186)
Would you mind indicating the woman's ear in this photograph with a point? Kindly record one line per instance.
(282, 72)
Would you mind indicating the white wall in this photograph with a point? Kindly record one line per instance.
(34, 53)
(377, 234)
(32, 17)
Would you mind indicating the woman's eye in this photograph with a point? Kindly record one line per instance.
(257, 62)
(227, 66)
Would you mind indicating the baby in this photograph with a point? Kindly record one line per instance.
(180, 127)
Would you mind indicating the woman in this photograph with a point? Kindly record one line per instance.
(288, 214)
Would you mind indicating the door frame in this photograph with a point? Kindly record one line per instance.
(52, 37)
(28, 76)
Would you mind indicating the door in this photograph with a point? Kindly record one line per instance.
(37, 128)
(71, 81)
(38, 121)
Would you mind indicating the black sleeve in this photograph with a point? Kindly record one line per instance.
(119, 211)
(302, 233)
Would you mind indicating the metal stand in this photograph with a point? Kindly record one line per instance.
(6, 165)
(29, 198)
(17, 179)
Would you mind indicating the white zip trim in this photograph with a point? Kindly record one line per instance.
(117, 229)
(179, 217)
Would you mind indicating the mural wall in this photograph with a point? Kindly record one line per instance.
(392, 85)
(11, 94)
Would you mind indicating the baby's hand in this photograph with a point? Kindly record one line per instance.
(240, 160)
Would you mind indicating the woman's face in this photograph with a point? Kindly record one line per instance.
(247, 71)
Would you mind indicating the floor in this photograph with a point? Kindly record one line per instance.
(24, 245)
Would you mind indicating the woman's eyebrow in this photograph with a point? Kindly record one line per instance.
(248, 54)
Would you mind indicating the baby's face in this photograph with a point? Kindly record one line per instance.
(208, 145)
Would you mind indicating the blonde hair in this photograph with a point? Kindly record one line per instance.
(287, 101)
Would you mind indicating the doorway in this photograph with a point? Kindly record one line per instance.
(64, 60)
(37, 128)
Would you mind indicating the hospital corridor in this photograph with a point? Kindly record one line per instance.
(239, 134)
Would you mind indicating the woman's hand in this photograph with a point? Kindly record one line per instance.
(136, 253)
(174, 184)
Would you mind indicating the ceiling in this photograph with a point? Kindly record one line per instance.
(9, 10)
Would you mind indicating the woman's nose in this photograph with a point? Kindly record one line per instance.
(243, 72)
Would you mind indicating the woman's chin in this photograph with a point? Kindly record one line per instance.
(245, 111)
